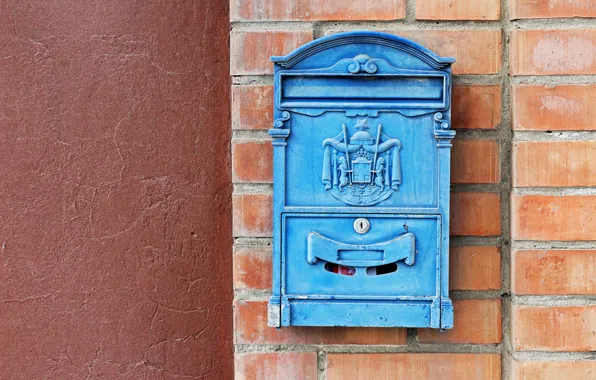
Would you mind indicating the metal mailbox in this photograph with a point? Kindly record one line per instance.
(362, 144)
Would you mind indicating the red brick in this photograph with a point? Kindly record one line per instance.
(475, 161)
(552, 52)
(545, 108)
(474, 268)
(544, 217)
(458, 10)
(552, 9)
(554, 272)
(477, 214)
(476, 106)
(252, 268)
(411, 366)
(475, 322)
(250, 51)
(252, 215)
(554, 163)
(553, 370)
(252, 161)
(476, 51)
(565, 328)
(317, 10)
(276, 366)
(252, 107)
(251, 328)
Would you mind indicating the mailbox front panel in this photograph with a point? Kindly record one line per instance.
(361, 184)
(403, 151)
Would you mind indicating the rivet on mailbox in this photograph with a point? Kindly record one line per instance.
(362, 142)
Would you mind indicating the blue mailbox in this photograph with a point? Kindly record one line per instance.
(361, 145)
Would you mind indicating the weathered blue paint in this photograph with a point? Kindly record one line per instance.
(362, 142)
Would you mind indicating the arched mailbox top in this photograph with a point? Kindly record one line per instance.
(336, 41)
(362, 74)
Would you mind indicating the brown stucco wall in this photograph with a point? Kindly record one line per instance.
(115, 235)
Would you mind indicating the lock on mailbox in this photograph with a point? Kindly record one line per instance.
(361, 145)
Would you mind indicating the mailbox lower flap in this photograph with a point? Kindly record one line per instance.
(326, 254)
(361, 255)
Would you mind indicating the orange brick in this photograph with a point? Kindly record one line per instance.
(410, 366)
(475, 161)
(476, 107)
(458, 10)
(250, 51)
(252, 161)
(251, 328)
(477, 214)
(317, 10)
(553, 370)
(552, 52)
(543, 108)
(566, 328)
(476, 51)
(252, 215)
(554, 272)
(252, 107)
(544, 217)
(276, 366)
(552, 9)
(252, 268)
(474, 268)
(554, 163)
(475, 322)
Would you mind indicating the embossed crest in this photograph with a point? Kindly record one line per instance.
(361, 170)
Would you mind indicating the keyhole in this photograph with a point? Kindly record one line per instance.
(361, 225)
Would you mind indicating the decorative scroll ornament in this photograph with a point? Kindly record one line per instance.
(439, 119)
(280, 131)
(361, 170)
(362, 62)
(443, 134)
(279, 123)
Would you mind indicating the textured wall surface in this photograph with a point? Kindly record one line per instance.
(115, 233)
(523, 192)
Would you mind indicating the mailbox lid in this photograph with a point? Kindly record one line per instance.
(324, 257)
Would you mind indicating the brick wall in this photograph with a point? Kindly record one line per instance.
(523, 222)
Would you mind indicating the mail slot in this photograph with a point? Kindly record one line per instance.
(362, 140)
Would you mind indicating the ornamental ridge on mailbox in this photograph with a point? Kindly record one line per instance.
(362, 143)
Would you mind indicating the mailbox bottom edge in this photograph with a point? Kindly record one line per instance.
(346, 313)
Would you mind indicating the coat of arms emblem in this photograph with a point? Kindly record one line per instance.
(362, 170)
